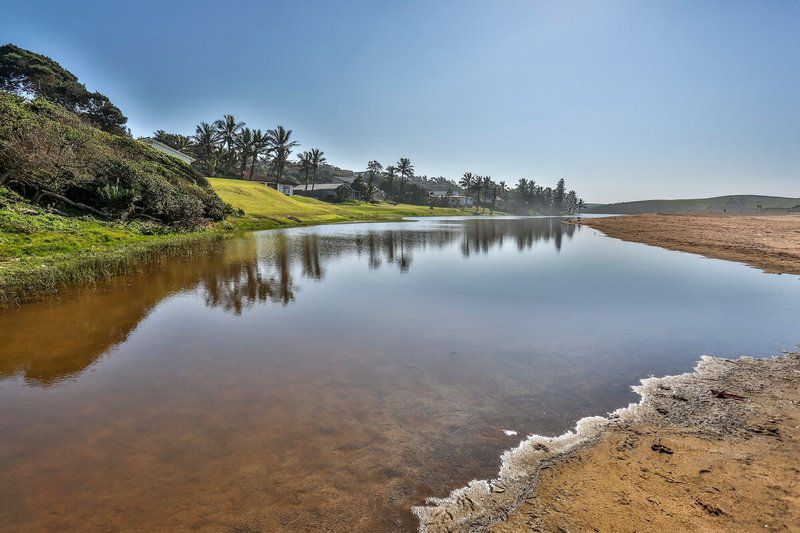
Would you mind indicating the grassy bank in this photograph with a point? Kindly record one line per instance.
(263, 204)
(41, 252)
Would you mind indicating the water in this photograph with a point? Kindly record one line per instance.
(331, 378)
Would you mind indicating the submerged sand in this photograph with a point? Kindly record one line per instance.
(714, 449)
(769, 242)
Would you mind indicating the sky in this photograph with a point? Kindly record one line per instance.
(624, 100)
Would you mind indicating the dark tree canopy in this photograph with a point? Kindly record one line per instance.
(27, 73)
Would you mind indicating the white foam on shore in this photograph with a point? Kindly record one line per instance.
(509, 432)
(484, 502)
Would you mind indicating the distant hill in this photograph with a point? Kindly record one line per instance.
(740, 203)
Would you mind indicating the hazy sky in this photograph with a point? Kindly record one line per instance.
(625, 100)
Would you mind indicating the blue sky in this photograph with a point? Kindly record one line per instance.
(625, 100)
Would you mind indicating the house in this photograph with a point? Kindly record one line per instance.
(459, 201)
(168, 150)
(344, 179)
(328, 192)
(283, 185)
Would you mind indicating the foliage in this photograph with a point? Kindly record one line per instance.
(26, 73)
(51, 156)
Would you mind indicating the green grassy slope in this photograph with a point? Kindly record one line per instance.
(730, 204)
(266, 204)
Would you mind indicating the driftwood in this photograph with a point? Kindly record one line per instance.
(72, 203)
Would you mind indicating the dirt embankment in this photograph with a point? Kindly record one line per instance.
(716, 449)
(769, 242)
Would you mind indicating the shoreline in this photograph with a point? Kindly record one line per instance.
(716, 448)
(33, 278)
(684, 457)
(768, 242)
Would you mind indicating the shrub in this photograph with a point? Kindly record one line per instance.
(50, 155)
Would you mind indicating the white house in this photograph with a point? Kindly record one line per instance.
(168, 150)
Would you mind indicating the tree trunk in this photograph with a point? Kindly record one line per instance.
(74, 204)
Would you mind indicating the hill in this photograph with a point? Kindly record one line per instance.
(743, 203)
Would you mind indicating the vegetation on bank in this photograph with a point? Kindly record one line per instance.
(263, 205)
(41, 251)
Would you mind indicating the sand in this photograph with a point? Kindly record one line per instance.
(717, 449)
(769, 242)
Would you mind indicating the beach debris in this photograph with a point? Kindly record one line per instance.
(725, 395)
(509, 432)
(710, 509)
(660, 448)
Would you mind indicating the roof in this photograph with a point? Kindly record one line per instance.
(344, 179)
(323, 187)
(167, 149)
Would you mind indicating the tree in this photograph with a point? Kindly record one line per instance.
(559, 194)
(280, 145)
(406, 171)
(580, 206)
(467, 183)
(306, 164)
(27, 73)
(388, 183)
(487, 186)
(258, 147)
(317, 158)
(374, 168)
(244, 145)
(228, 129)
(206, 145)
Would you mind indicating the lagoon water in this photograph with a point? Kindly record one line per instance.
(330, 378)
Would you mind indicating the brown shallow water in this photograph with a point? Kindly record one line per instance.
(331, 378)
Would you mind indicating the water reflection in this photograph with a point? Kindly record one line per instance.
(233, 275)
(268, 275)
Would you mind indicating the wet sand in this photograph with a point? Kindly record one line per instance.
(715, 449)
(769, 242)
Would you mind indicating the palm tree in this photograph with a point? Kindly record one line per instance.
(206, 141)
(581, 205)
(317, 158)
(487, 186)
(406, 170)
(499, 192)
(306, 164)
(391, 174)
(228, 130)
(258, 147)
(281, 147)
(467, 183)
(374, 168)
(244, 143)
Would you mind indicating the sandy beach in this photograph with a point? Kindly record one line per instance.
(714, 449)
(768, 242)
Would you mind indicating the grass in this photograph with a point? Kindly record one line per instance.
(261, 202)
(41, 252)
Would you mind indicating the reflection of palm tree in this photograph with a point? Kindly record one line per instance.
(312, 267)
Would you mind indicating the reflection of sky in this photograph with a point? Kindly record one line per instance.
(418, 371)
(597, 308)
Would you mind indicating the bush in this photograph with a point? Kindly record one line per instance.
(51, 155)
